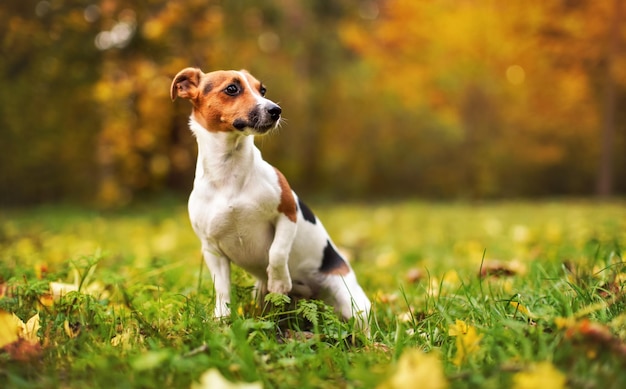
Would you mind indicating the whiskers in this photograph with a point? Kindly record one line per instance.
(260, 140)
(279, 124)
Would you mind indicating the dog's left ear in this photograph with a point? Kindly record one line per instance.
(185, 84)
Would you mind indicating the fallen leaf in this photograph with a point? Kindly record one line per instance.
(458, 328)
(60, 289)
(19, 340)
(496, 268)
(415, 275)
(467, 341)
(564, 322)
(213, 379)
(385, 298)
(46, 299)
(3, 289)
(41, 269)
(594, 334)
(23, 350)
(30, 329)
(417, 369)
(95, 288)
(520, 308)
(10, 327)
(539, 376)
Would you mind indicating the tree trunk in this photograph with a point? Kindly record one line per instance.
(605, 172)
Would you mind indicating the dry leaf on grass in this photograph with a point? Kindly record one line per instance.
(467, 341)
(539, 376)
(417, 369)
(19, 339)
(496, 268)
(592, 334)
(213, 379)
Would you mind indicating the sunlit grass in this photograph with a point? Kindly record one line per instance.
(492, 293)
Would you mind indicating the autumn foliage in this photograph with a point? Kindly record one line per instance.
(400, 97)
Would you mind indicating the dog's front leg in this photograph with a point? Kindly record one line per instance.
(278, 278)
(220, 272)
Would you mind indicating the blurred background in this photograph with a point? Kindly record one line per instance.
(382, 98)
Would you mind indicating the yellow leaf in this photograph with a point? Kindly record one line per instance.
(539, 376)
(60, 289)
(47, 300)
(467, 340)
(520, 308)
(212, 379)
(564, 322)
(30, 329)
(417, 368)
(459, 328)
(10, 327)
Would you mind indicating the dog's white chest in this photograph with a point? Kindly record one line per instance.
(236, 226)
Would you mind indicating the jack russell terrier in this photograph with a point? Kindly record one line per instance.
(243, 209)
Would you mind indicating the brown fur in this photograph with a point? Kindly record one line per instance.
(214, 111)
(287, 204)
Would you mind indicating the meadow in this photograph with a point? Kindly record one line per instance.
(514, 294)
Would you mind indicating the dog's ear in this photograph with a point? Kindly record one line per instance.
(185, 84)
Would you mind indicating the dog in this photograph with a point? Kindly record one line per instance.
(242, 208)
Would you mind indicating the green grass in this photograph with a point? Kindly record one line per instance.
(142, 317)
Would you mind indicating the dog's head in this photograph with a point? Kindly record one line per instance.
(227, 100)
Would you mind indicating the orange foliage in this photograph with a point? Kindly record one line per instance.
(395, 97)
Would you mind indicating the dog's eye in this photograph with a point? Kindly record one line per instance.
(263, 91)
(232, 90)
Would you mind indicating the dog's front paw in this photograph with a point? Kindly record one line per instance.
(279, 286)
(278, 280)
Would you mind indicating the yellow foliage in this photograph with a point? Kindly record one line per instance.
(520, 308)
(417, 369)
(12, 328)
(539, 376)
(467, 341)
(9, 328)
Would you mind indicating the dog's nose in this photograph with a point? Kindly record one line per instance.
(275, 112)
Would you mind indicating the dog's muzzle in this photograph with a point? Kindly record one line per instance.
(260, 120)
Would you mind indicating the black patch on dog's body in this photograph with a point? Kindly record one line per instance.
(306, 212)
(332, 262)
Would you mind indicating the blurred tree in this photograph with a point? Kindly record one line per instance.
(47, 125)
(381, 98)
(520, 103)
(605, 171)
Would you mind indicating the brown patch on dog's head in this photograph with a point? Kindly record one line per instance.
(226, 100)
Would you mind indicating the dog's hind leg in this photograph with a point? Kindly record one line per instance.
(347, 297)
